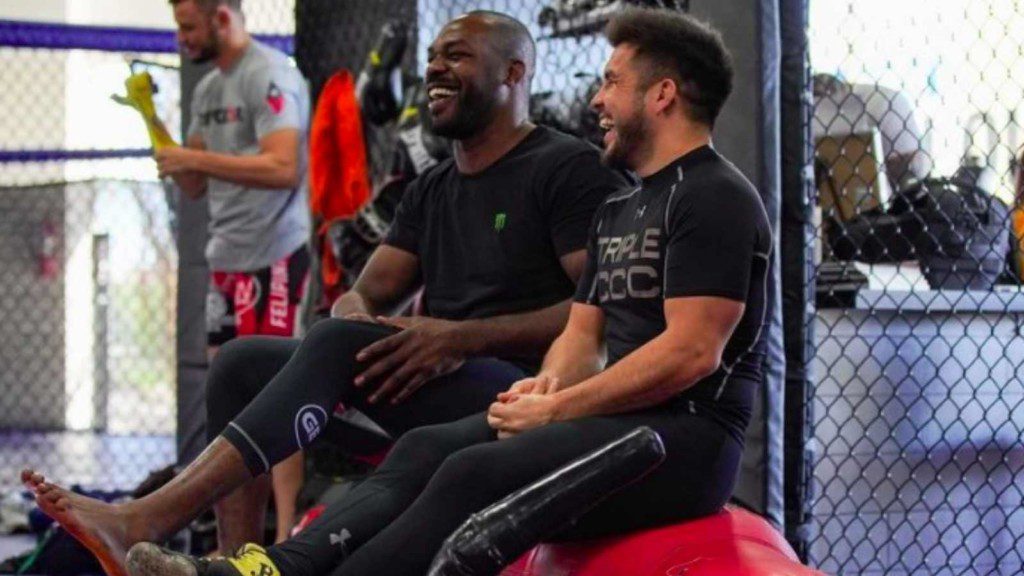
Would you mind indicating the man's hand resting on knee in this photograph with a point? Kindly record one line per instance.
(425, 348)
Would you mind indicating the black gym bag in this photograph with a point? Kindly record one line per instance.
(958, 231)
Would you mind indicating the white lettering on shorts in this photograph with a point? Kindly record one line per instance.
(247, 293)
(278, 301)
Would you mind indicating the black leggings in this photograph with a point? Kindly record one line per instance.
(270, 397)
(394, 522)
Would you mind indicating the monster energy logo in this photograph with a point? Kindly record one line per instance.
(499, 221)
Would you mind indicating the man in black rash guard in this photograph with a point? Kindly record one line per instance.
(497, 237)
(674, 286)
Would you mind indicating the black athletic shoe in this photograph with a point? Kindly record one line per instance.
(146, 559)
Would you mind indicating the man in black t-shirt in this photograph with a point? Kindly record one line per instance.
(489, 242)
(674, 285)
(509, 221)
(496, 236)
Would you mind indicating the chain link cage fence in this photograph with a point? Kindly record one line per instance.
(570, 53)
(917, 401)
(88, 264)
(88, 254)
(916, 407)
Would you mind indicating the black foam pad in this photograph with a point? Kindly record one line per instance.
(495, 537)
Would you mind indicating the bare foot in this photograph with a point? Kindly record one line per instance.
(101, 527)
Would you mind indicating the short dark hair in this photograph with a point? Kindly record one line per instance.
(676, 45)
(512, 37)
(211, 5)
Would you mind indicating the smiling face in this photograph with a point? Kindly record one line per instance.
(197, 31)
(621, 107)
(464, 79)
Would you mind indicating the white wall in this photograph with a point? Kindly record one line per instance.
(134, 13)
(37, 10)
(264, 16)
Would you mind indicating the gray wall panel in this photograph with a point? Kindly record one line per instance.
(192, 285)
(747, 133)
(32, 330)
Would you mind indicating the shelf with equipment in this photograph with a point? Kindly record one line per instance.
(574, 18)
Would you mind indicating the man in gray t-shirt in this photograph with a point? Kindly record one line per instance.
(255, 219)
(245, 151)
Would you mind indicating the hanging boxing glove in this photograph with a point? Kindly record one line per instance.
(375, 87)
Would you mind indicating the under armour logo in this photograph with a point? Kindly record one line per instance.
(265, 570)
(341, 537)
(640, 212)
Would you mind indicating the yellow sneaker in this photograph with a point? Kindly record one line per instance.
(249, 560)
(146, 559)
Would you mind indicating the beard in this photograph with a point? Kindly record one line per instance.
(209, 51)
(631, 137)
(473, 110)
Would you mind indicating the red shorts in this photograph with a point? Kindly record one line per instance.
(265, 301)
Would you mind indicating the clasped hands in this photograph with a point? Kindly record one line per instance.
(529, 403)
